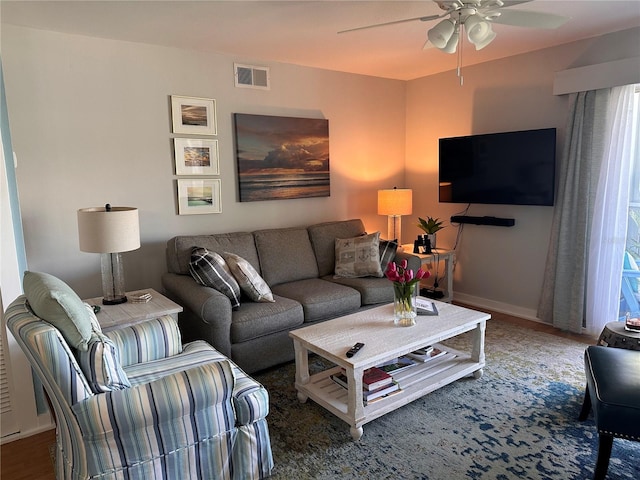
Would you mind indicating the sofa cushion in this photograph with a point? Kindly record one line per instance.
(179, 249)
(210, 270)
(320, 299)
(250, 281)
(55, 302)
(193, 354)
(388, 249)
(285, 255)
(323, 236)
(358, 256)
(253, 320)
(373, 290)
(100, 363)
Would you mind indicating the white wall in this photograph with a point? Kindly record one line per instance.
(91, 125)
(497, 267)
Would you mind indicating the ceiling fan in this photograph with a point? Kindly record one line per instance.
(475, 18)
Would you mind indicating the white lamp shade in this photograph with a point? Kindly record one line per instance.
(452, 44)
(440, 34)
(396, 201)
(479, 31)
(102, 231)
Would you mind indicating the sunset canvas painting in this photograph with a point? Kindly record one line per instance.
(282, 157)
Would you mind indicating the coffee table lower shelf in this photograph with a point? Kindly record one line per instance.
(415, 382)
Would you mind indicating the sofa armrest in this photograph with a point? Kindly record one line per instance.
(250, 398)
(138, 424)
(413, 261)
(147, 341)
(207, 312)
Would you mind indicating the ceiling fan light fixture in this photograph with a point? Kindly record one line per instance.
(441, 34)
(479, 31)
(452, 44)
(489, 37)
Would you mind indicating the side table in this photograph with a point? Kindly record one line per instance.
(437, 255)
(615, 335)
(112, 317)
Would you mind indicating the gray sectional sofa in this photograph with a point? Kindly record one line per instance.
(297, 264)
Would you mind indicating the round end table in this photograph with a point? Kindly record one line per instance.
(615, 335)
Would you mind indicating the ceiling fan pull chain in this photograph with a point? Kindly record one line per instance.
(459, 69)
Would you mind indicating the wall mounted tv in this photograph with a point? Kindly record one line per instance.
(510, 168)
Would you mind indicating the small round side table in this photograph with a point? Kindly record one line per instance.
(615, 335)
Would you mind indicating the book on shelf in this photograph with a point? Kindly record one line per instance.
(426, 353)
(367, 395)
(386, 395)
(397, 365)
(370, 395)
(374, 378)
(340, 379)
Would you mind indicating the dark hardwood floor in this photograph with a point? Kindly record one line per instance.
(29, 459)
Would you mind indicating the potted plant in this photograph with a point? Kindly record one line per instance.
(430, 226)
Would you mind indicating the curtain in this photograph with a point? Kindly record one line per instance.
(562, 302)
(610, 216)
(583, 270)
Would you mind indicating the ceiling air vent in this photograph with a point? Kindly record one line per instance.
(250, 76)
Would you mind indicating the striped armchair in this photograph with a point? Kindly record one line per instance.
(180, 411)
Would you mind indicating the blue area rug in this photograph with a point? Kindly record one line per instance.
(518, 421)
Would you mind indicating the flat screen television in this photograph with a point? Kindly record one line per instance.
(510, 168)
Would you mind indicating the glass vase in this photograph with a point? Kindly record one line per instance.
(405, 310)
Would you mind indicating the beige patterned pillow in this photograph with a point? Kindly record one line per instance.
(358, 256)
(248, 278)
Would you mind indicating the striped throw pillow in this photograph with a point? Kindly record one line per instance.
(100, 363)
(388, 249)
(248, 278)
(210, 270)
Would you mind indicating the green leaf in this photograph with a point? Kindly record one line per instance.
(431, 225)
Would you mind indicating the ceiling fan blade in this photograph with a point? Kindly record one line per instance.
(526, 18)
(422, 19)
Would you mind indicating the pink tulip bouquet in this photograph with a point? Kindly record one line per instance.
(404, 284)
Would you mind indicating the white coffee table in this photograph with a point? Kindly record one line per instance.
(384, 341)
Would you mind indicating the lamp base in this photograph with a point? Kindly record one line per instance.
(113, 291)
(114, 301)
(394, 228)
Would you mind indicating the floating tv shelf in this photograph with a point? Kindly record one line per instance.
(496, 221)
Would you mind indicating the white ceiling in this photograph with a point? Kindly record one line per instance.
(305, 32)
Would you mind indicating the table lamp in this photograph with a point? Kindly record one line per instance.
(394, 203)
(109, 230)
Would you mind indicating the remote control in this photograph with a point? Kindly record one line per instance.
(355, 349)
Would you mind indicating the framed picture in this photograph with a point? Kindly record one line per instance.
(191, 115)
(282, 157)
(196, 156)
(199, 196)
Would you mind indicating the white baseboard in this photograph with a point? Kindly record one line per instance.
(25, 434)
(520, 312)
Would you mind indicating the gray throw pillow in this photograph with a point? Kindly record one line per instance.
(210, 270)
